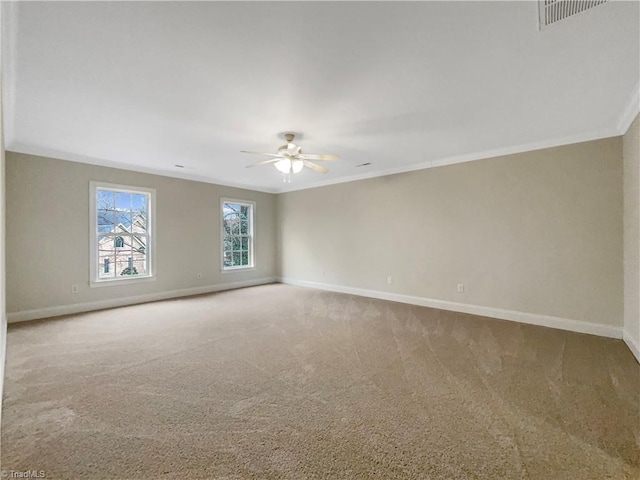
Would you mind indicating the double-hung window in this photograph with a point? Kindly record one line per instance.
(237, 234)
(122, 242)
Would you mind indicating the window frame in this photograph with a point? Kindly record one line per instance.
(252, 234)
(94, 269)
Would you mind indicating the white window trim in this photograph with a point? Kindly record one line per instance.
(94, 281)
(252, 225)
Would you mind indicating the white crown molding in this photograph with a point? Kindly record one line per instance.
(578, 326)
(630, 111)
(58, 310)
(629, 114)
(633, 344)
(469, 157)
(354, 178)
(623, 124)
(72, 157)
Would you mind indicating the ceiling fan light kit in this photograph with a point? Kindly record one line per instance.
(290, 160)
(287, 165)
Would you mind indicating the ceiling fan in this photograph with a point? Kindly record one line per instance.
(290, 159)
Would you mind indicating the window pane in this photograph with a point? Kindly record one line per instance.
(237, 258)
(123, 242)
(245, 243)
(105, 244)
(106, 266)
(121, 265)
(139, 203)
(140, 243)
(127, 220)
(139, 254)
(230, 211)
(123, 201)
(140, 264)
(226, 208)
(244, 227)
(229, 223)
(106, 220)
(105, 200)
(244, 212)
(245, 258)
(138, 223)
(130, 265)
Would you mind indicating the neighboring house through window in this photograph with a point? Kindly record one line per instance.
(237, 234)
(121, 233)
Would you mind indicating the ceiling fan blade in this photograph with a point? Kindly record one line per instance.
(264, 162)
(315, 167)
(263, 153)
(326, 157)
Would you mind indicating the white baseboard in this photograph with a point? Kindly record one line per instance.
(121, 302)
(512, 315)
(515, 316)
(633, 344)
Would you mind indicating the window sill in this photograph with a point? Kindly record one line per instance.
(121, 281)
(237, 269)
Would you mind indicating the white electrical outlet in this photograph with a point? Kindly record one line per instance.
(74, 288)
(461, 288)
(389, 280)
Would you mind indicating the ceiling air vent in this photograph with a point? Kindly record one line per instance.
(552, 11)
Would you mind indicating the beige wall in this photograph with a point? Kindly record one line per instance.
(631, 155)
(48, 233)
(537, 232)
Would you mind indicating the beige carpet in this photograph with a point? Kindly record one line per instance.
(285, 382)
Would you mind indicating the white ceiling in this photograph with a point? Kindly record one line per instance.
(148, 85)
